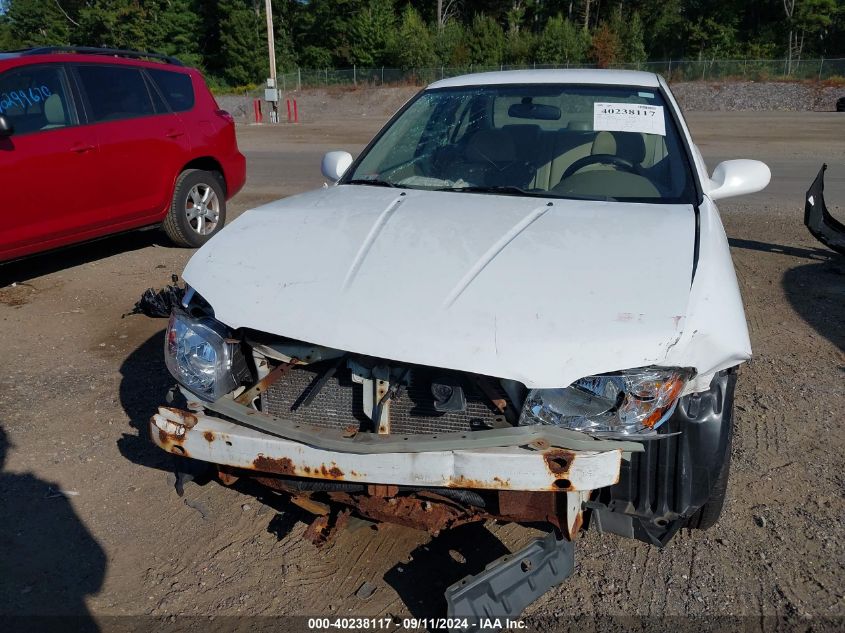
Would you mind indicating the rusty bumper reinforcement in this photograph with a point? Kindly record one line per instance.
(524, 458)
(368, 443)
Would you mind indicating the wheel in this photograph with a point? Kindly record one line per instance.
(198, 208)
(708, 515)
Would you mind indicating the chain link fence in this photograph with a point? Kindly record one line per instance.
(672, 70)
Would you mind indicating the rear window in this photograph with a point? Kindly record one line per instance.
(177, 89)
(115, 92)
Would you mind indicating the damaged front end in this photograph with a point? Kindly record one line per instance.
(422, 447)
(348, 435)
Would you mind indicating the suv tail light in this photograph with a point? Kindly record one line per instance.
(225, 115)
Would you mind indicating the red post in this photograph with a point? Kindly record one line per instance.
(287, 103)
(295, 112)
(256, 106)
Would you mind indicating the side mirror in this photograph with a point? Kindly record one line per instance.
(738, 177)
(6, 127)
(335, 164)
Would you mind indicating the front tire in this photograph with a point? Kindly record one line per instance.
(198, 209)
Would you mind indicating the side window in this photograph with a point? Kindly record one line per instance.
(177, 88)
(115, 92)
(158, 101)
(35, 98)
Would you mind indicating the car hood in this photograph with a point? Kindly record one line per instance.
(543, 291)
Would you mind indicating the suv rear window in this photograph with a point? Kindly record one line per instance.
(115, 92)
(177, 89)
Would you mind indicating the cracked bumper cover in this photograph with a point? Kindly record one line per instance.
(521, 458)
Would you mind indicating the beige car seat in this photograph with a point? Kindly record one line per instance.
(490, 158)
(54, 112)
(601, 180)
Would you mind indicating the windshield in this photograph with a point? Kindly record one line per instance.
(567, 141)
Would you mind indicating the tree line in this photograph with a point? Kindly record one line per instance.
(227, 38)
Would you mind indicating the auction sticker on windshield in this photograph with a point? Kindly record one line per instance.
(628, 117)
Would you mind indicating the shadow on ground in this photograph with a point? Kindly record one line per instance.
(817, 293)
(443, 561)
(815, 290)
(821, 254)
(143, 387)
(62, 259)
(49, 560)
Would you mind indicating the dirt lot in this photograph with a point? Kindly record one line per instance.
(79, 383)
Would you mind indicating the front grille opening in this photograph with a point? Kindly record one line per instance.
(340, 402)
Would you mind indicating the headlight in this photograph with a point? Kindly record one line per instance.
(201, 357)
(633, 402)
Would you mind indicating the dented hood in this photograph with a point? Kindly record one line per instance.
(543, 291)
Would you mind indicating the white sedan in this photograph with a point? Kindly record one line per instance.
(517, 303)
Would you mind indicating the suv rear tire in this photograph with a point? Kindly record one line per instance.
(198, 209)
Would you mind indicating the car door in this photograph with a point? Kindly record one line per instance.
(48, 166)
(142, 144)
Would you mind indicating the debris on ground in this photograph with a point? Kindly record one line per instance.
(159, 303)
(52, 493)
(365, 591)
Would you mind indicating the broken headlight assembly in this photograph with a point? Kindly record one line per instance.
(626, 403)
(202, 357)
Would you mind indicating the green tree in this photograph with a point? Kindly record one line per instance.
(38, 23)
(562, 42)
(713, 38)
(629, 30)
(486, 41)
(663, 26)
(812, 19)
(242, 47)
(521, 47)
(372, 32)
(414, 45)
(178, 31)
(315, 57)
(7, 40)
(115, 24)
(450, 45)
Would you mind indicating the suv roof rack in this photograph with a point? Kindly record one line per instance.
(92, 50)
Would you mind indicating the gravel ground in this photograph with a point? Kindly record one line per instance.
(92, 528)
(360, 103)
(757, 96)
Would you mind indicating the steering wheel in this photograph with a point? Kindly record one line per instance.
(604, 159)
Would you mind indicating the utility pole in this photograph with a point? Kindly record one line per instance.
(272, 92)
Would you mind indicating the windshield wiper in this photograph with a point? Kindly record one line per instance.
(374, 182)
(502, 189)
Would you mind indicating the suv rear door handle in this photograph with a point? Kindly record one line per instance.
(81, 149)
(174, 134)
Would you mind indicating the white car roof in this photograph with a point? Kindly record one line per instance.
(574, 76)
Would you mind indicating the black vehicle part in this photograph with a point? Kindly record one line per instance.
(466, 497)
(159, 303)
(93, 50)
(511, 583)
(448, 394)
(708, 514)
(824, 227)
(661, 489)
(317, 485)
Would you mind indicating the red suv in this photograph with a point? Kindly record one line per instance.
(98, 141)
